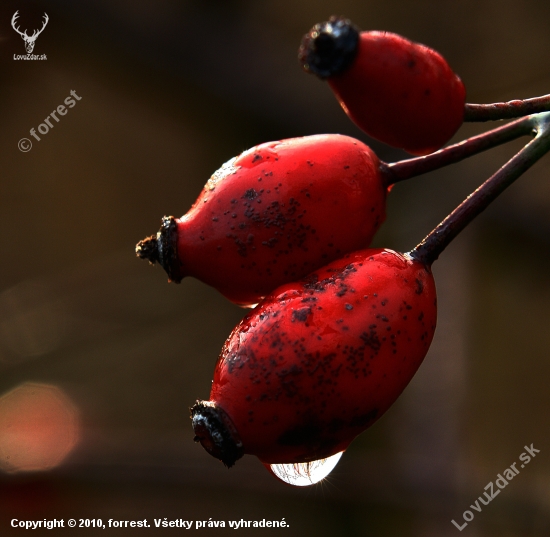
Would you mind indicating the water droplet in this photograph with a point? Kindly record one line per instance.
(305, 473)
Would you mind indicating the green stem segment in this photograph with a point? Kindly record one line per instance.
(405, 169)
(438, 239)
(508, 110)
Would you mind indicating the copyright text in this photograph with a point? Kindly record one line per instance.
(145, 523)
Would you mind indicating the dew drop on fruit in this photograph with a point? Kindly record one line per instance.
(305, 473)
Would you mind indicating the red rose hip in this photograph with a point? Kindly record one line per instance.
(397, 91)
(274, 214)
(319, 361)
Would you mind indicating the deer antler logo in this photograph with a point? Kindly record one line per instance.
(29, 40)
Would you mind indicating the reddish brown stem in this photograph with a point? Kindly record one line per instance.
(508, 110)
(405, 169)
(438, 239)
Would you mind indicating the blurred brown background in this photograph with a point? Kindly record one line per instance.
(100, 358)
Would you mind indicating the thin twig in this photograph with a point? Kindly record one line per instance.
(405, 169)
(508, 110)
(438, 239)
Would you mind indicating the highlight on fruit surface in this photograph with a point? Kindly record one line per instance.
(274, 214)
(397, 91)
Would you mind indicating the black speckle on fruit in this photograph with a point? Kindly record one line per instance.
(250, 194)
(370, 339)
(301, 315)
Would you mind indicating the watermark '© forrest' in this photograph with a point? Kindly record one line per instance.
(25, 144)
(501, 482)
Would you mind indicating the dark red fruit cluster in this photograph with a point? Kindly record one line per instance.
(320, 360)
(399, 92)
(274, 214)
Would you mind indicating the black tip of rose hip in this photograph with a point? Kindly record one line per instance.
(162, 247)
(216, 432)
(148, 249)
(329, 47)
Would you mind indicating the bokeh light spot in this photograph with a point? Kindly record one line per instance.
(39, 427)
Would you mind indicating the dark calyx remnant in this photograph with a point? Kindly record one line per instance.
(216, 432)
(329, 47)
(163, 247)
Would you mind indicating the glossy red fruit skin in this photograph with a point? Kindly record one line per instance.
(319, 361)
(279, 211)
(401, 93)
